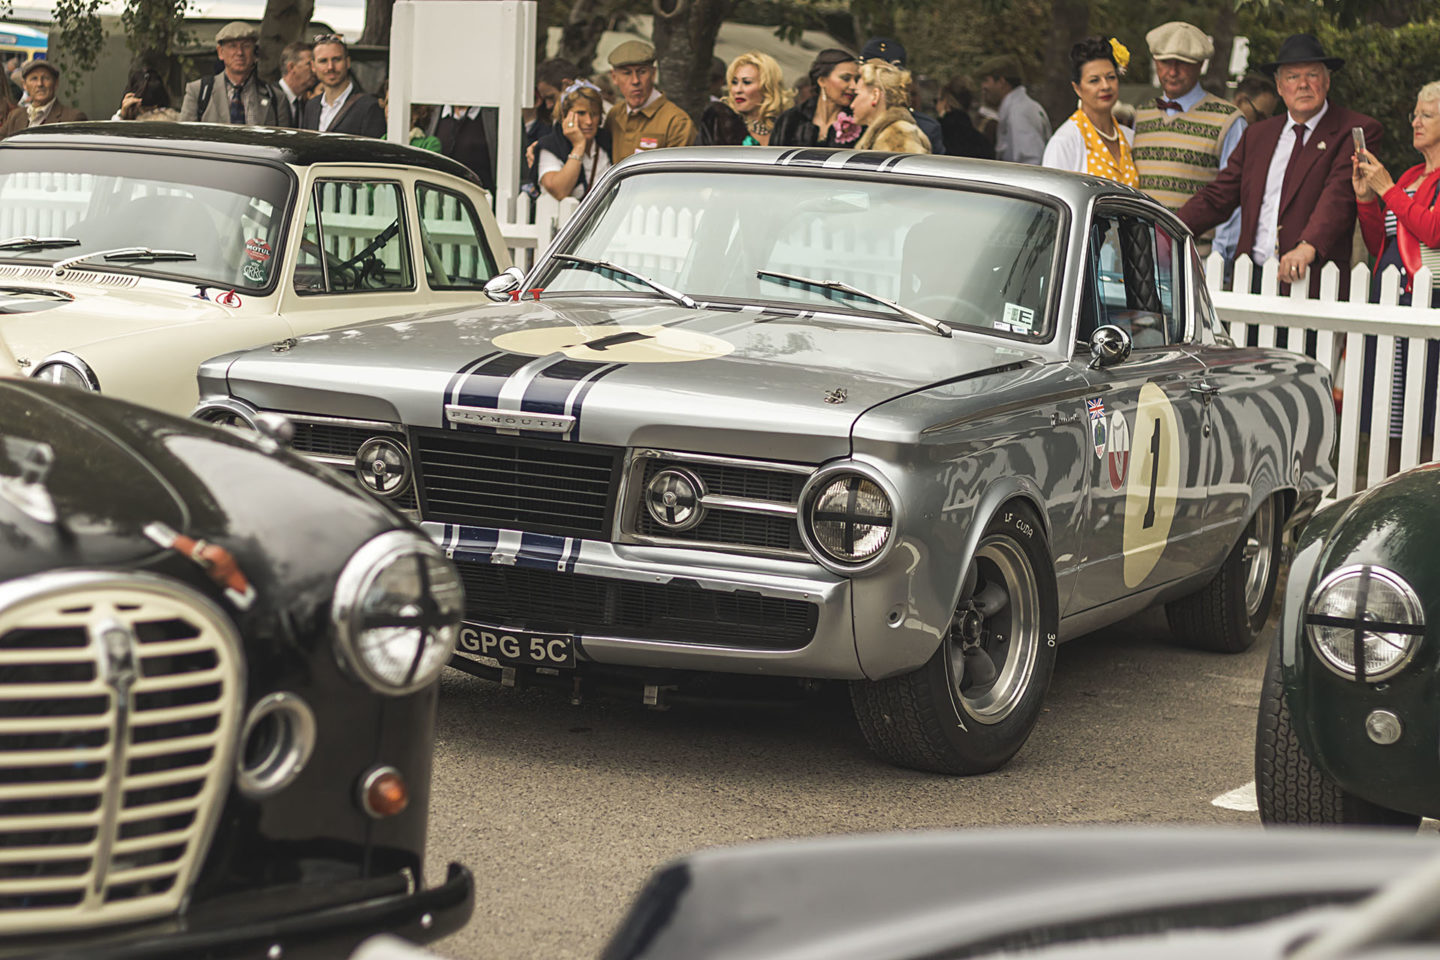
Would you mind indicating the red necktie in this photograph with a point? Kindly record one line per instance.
(1164, 104)
(1299, 129)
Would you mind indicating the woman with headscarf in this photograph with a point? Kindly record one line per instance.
(880, 105)
(826, 120)
(574, 154)
(755, 95)
(1091, 141)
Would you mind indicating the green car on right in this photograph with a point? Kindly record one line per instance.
(1349, 725)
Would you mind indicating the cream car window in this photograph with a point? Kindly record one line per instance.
(452, 243)
(354, 239)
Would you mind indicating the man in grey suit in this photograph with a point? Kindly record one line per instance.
(236, 94)
(341, 107)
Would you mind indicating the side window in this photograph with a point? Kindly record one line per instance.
(1137, 279)
(452, 242)
(354, 239)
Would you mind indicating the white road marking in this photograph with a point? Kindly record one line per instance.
(1241, 798)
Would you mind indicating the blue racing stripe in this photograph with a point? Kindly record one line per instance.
(542, 551)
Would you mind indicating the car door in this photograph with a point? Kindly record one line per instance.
(1148, 450)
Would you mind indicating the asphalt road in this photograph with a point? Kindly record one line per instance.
(562, 811)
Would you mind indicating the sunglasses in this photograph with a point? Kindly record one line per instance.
(329, 38)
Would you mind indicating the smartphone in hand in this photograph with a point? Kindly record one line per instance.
(1359, 134)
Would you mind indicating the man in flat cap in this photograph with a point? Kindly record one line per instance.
(236, 94)
(40, 78)
(1290, 174)
(647, 120)
(1023, 128)
(1185, 137)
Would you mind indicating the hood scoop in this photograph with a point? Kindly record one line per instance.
(96, 278)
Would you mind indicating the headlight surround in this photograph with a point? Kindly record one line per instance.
(847, 517)
(1362, 597)
(396, 613)
(227, 412)
(67, 370)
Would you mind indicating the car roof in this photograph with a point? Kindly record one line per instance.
(297, 147)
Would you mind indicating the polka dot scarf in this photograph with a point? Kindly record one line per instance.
(1099, 162)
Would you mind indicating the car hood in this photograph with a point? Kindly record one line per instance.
(72, 491)
(38, 317)
(741, 372)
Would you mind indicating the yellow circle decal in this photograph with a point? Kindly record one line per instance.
(1153, 485)
(613, 343)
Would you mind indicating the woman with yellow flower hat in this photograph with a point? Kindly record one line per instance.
(1091, 141)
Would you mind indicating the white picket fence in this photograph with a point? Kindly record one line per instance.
(1341, 328)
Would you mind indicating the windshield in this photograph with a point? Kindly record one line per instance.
(230, 215)
(965, 258)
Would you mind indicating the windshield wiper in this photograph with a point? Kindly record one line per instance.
(38, 243)
(123, 255)
(835, 286)
(603, 265)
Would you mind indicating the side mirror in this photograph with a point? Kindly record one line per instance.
(1109, 345)
(500, 286)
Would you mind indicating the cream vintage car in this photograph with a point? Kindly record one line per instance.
(130, 252)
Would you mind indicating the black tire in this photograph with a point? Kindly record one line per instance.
(1289, 788)
(937, 718)
(1228, 614)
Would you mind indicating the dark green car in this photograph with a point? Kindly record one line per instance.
(1349, 728)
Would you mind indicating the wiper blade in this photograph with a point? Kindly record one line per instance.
(38, 243)
(835, 286)
(602, 265)
(122, 255)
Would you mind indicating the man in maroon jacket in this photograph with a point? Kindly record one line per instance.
(1290, 174)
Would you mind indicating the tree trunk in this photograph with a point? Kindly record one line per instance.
(579, 38)
(283, 23)
(684, 37)
(1223, 33)
(152, 28)
(377, 22)
(1069, 22)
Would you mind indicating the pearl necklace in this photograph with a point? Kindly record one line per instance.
(1112, 137)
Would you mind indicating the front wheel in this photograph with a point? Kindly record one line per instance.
(1289, 787)
(973, 705)
(1227, 614)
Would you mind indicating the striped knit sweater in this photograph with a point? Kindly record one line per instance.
(1176, 156)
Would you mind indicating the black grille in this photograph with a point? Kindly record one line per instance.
(544, 600)
(482, 479)
(341, 441)
(733, 526)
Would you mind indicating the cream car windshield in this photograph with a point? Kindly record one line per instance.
(230, 215)
(982, 261)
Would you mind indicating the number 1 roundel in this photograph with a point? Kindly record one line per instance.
(1153, 484)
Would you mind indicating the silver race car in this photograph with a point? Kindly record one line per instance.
(903, 421)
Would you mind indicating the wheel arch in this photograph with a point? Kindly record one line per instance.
(1002, 493)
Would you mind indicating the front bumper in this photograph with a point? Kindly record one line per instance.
(609, 569)
(243, 929)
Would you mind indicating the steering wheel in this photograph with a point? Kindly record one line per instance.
(942, 307)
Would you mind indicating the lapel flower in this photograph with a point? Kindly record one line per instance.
(1122, 55)
(846, 129)
(1320, 145)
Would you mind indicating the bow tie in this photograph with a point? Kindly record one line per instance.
(1164, 104)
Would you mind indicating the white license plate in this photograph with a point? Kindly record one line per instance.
(517, 648)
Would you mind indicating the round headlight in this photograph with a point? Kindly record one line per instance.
(67, 370)
(848, 518)
(397, 612)
(672, 498)
(383, 467)
(1365, 622)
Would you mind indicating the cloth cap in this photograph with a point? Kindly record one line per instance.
(632, 53)
(1178, 40)
(1004, 66)
(31, 65)
(237, 30)
(883, 48)
(1301, 48)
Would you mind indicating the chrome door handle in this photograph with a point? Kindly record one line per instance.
(1205, 389)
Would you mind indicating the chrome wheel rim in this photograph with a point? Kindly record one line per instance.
(1257, 554)
(1010, 636)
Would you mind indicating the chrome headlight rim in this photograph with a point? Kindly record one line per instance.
(210, 411)
(817, 483)
(374, 482)
(64, 359)
(1409, 599)
(696, 507)
(361, 570)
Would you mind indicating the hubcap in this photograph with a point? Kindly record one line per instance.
(1257, 554)
(995, 637)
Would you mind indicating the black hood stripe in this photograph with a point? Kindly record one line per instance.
(552, 387)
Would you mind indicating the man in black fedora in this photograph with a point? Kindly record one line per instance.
(1290, 174)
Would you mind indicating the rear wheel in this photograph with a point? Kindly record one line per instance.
(1289, 787)
(1228, 613)
(973, 705)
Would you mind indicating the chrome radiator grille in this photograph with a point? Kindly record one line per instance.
(119, 697)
